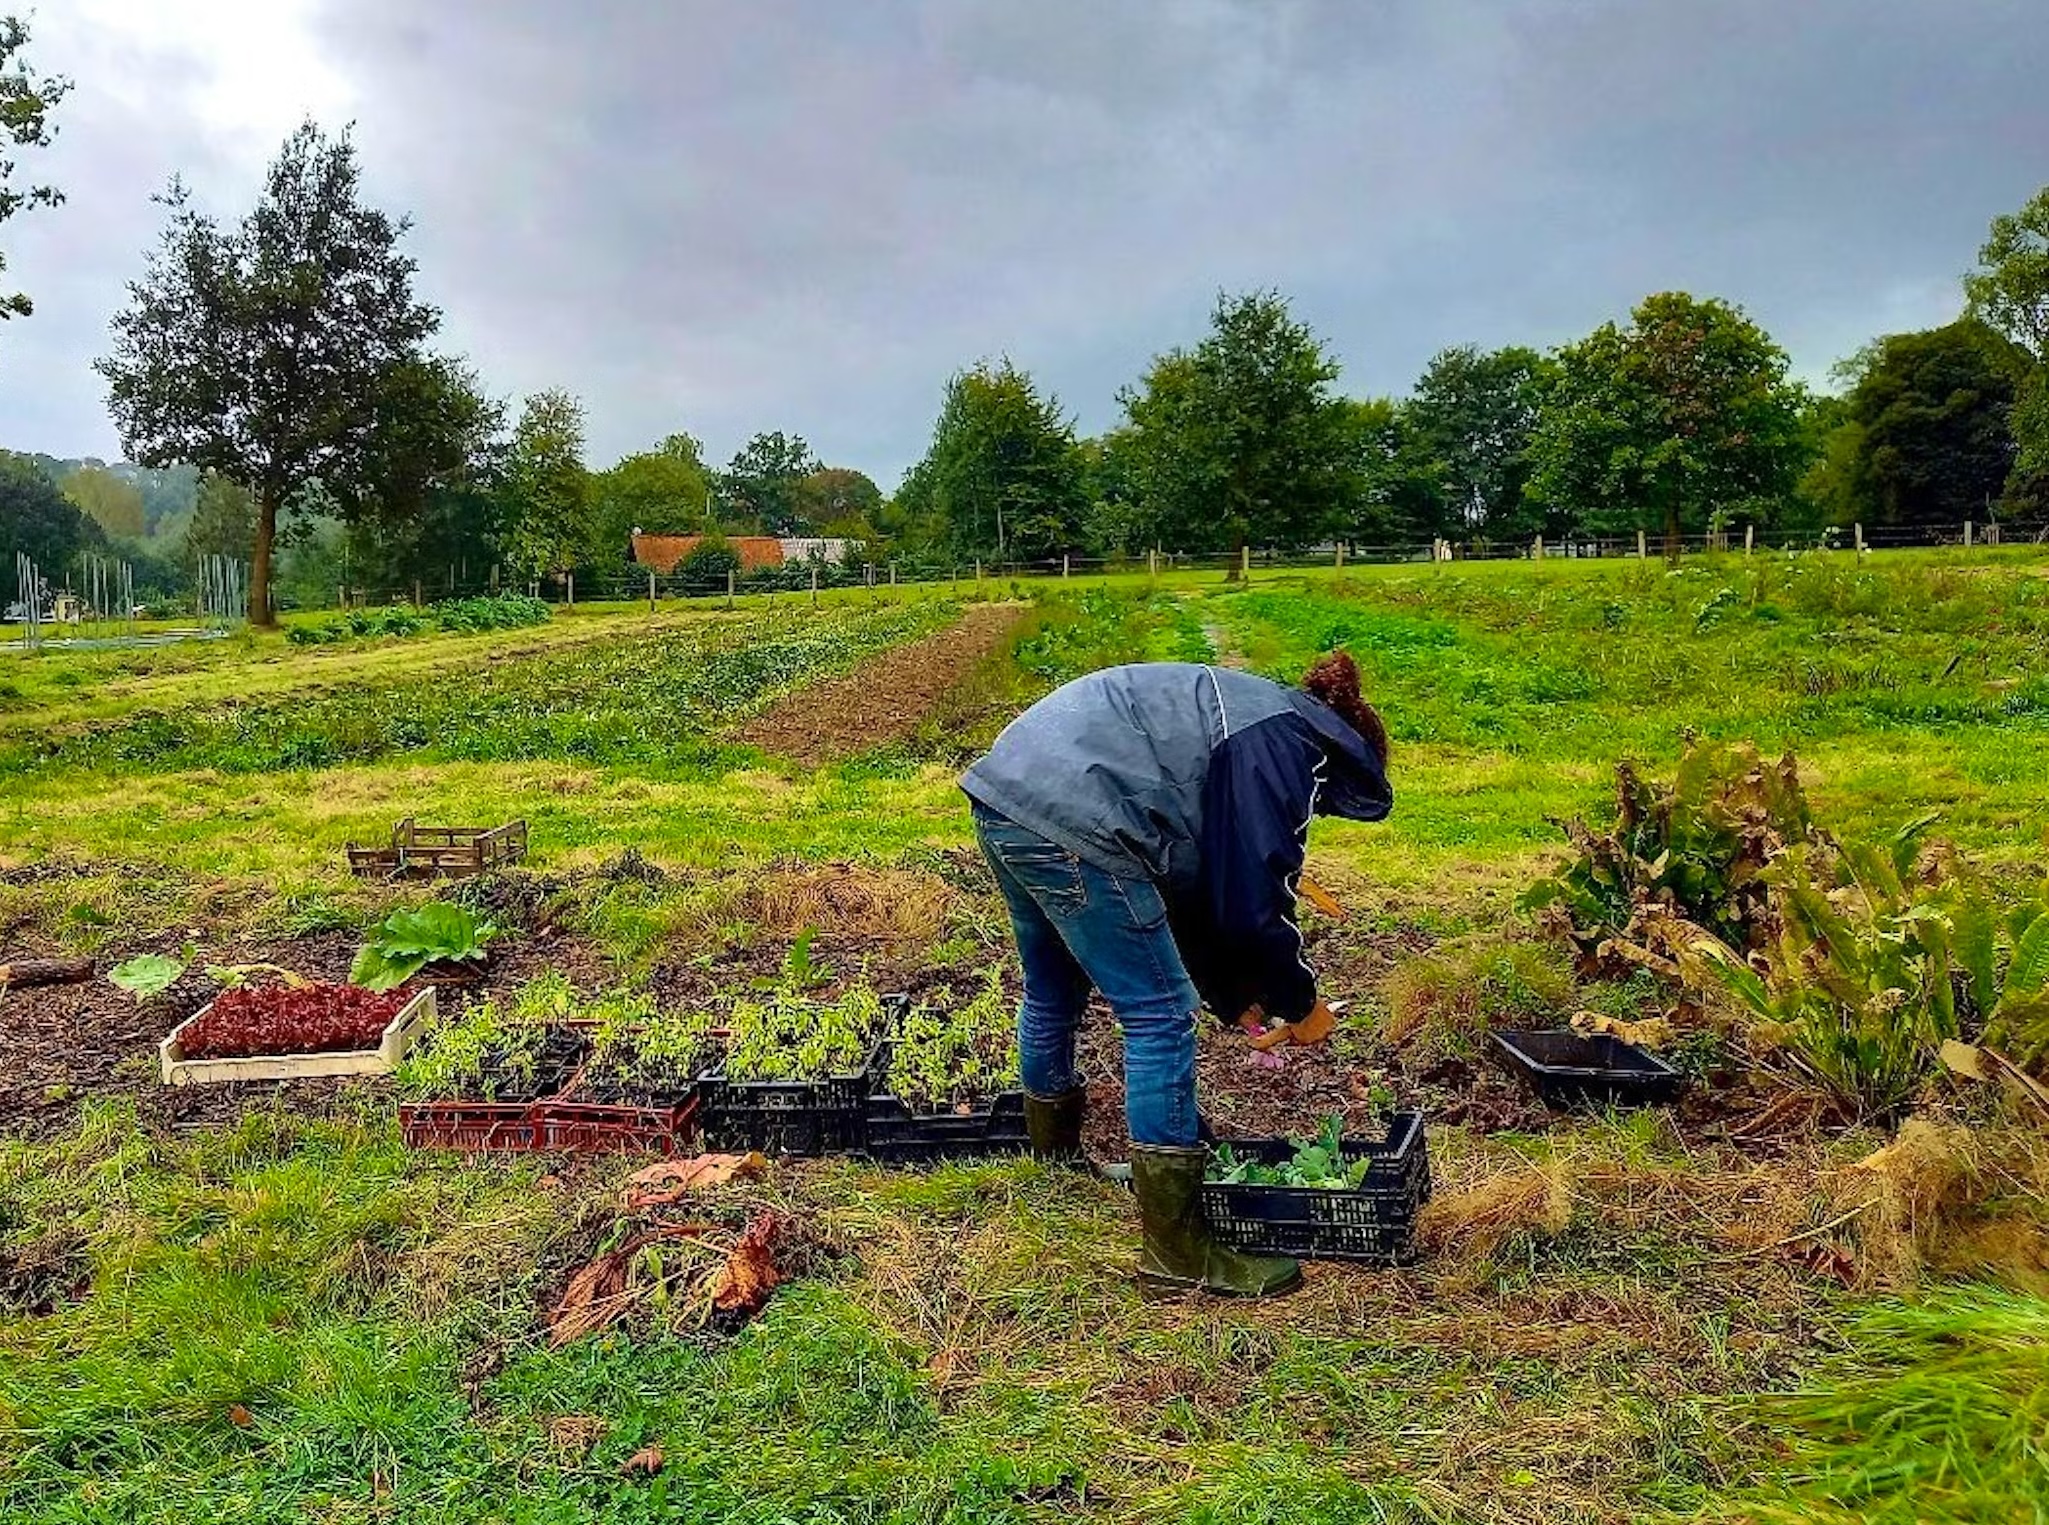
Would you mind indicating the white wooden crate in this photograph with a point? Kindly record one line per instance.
(397, 1038)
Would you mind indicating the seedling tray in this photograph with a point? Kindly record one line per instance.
(1372, 1224)
(1578, 1069)
(440, 852)
(398, 1037)
(898, 1135)
(798, 1118)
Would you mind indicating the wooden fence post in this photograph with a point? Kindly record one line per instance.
(1641, 547)
(570, 577)
(1860, 537)
(814, 585)
(1749, 532)
(892, 580)
(1537, 549)
(1245, 563)
(650, 590)
(732, 576)
(1341, 555)
(1066, 568)
(1152, 563)
(1967, 534)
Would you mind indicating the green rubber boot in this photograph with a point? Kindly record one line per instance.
(1179, 1253)
(1054, 1123)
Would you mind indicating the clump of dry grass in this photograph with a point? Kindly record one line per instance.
(1472, 1224)
(842, 900)
(1445, 999)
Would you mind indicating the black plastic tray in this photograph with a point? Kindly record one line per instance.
(1372, 1224)
(897, 1135)
(1567, 1069)
(786, 1117)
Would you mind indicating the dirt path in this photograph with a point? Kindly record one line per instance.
(885, 698)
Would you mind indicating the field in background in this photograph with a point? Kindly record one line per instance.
(965, 1345)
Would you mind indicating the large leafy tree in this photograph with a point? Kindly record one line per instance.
(1002, 476)
(2010, 291)
(438, 465)
(1399, 496)
(275, 351)
(665, 491)
(1473, 414)
(1676, 423)
(760, 488)
(1244, 439)
(837, 495)
(549, 490)
(1931, 415)
(25, 103)
(112, 502)
(35, 517)
(223, 523)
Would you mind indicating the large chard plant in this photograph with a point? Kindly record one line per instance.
(406, 942)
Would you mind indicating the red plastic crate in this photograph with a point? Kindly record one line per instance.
(606, 1128)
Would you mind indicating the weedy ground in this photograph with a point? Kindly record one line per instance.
(283, 1315)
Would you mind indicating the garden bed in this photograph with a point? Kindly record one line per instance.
(198, 1050)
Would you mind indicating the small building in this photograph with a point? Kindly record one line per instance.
(832, 551)
(662, 554)
(67, 609)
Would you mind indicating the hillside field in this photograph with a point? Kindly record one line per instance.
(245, 1304)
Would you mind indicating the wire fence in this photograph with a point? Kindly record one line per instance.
(810, 577)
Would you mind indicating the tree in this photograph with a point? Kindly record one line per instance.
(1399, 498)
(434, 472)
(35, 517)
(664, 492)
(1243, 438)
(549, 490)
(111, 502)
(1932, 415)
(223, 524)
(2010, 292)
(1473, 414)
(25, 102)
(1681, 422)
(836, 495)
(1002, 476)
(274, 351)
(758, 491)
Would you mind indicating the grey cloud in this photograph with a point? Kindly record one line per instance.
(804, 214)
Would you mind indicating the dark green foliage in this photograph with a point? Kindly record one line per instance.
(1474, 414)
(1679, 423)
(1003, 477)
(710, 562)
(25, 103)
(1696, 849)
(405, 942)
(498, 611)
(35, 517)
(1318, 1163)
(761, 491)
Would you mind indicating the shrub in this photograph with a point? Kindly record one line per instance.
(1696, 849)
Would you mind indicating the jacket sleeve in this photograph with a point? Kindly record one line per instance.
(1257, 804)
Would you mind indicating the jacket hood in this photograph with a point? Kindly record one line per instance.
(1355, 787)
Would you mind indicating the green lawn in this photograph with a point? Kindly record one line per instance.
(296, 1319)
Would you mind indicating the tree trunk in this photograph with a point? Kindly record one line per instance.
(261, 615)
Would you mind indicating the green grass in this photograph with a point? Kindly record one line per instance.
(969, 1347)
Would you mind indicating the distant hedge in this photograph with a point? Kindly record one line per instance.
(501, 611)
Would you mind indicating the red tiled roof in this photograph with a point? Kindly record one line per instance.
(664, 553)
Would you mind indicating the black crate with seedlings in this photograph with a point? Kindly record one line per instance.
(947, 1082)
(796, 1073)
(440, 852)
(1330, 1197)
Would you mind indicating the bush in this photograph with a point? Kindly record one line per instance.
(498, 611)
(1697, 850)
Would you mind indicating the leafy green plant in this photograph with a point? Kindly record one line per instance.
(785, 1036)
(149, 975)
(1318, 1162)
(405, 942)
(1697, 849)
(800, 970)
(454, 1055)
(945, 1054)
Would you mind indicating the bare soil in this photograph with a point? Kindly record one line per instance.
(884, 699)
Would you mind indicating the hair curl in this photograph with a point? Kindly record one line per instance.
(1335, 681)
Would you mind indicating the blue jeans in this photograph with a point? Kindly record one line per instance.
(1079, 927)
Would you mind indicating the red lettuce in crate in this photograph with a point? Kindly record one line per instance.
(276, 1019)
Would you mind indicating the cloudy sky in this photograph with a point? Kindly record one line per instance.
(803, 214)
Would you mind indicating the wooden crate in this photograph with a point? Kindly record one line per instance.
(398, 1037)
(440, 852)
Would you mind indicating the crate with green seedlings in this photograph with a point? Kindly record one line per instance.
(948, 1086)
(1326, 1197)
(494, 1052)
(796, 1071)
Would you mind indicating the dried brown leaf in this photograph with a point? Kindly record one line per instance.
(240, 1417)
(645, 1462)
(666, 1182)
(744, 1283)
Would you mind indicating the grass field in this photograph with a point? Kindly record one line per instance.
(274, 1312)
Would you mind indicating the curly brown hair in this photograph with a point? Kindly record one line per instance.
(1335, 681)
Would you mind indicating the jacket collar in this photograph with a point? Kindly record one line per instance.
(1355, 786)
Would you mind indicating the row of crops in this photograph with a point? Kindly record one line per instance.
(647, 699)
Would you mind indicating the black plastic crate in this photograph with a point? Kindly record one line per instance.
(1567, 1069)
(898, 1135)
(1373, 1224)
(787, 1117)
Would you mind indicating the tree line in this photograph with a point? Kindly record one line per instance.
(279, 373)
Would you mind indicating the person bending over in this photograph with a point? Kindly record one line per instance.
(1147, 825)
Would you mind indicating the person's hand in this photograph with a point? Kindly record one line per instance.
(1252, 1021)
(1321, 1022)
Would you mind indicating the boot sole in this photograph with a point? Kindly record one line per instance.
(1155, 1288)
